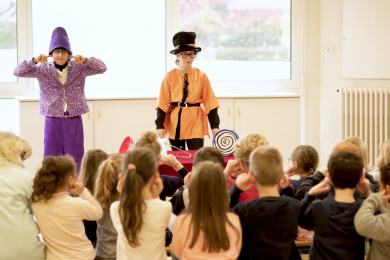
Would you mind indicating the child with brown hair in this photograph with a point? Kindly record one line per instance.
(139, 216)
(89, 166)
(206, 230)
(60, 216)
(269, 223)
(106, 193)
(332, 218)
(303, 162)
(375, 226)
(171, 183)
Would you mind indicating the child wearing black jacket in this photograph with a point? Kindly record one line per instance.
(270, 223)
(332, 218)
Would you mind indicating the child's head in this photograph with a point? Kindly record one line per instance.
(384, 154)
(89, 167)
(149, 140)
(385, 176)
(139, 168)
(266, 165)
(208, 154)
(209, 215)
(245, 145)
(13, 149)
(107, 181)
(306, 159)
(345, 169)
(362, 147)
(56, 173)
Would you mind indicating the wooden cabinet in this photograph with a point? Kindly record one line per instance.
(110, 121)
(116, 119)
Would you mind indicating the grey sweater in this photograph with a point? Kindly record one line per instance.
(375, 226)
(106, 237)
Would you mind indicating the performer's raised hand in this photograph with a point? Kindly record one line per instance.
(78, 59)
(41, 58)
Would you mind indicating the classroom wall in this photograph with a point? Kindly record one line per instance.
(9, 116)
(324, 25)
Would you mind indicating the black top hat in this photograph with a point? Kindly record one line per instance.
(184, 41)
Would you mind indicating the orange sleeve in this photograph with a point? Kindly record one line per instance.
(165, 95)
(209, 99)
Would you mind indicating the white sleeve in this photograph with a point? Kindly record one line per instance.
(89, 208)
(115, 218)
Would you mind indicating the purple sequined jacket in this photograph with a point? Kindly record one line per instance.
(53, 93)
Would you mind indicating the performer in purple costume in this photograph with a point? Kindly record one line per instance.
(62, 97)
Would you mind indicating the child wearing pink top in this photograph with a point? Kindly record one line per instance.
(206, 230)
(60, 216)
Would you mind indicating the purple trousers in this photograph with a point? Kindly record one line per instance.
(64, 135)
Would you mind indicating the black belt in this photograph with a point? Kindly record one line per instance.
(182, 105)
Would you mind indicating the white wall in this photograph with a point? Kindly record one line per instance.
(9, 115)
(324, 28)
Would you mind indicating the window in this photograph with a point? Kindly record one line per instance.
(249, 47)
(128, 36)
(8, 41)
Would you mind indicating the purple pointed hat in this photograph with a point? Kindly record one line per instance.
(59, 39)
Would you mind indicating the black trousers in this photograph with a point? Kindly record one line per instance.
(192, 144)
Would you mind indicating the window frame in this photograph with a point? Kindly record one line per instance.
(24, 86)
(294, 85)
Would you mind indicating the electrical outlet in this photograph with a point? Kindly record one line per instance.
(329, 50)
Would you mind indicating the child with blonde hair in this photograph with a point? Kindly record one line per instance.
(139, 216)
(206, 230)
(89, 166)
(106, 193)
(60, 216)
(19, 232)
(270, 222)
(362, 147)
(383, 158)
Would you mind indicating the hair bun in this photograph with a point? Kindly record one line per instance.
(150, 137)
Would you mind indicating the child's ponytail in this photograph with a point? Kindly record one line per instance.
(52, 175)
(306, 158)
(107, 181)
(139, 166)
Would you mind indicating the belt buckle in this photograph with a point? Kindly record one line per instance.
(178, 104)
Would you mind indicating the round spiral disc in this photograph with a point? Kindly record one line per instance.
(224, 140)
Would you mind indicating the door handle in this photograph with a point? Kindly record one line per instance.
(88, 115)
(239, 112)
(98, 113)
(229, 111)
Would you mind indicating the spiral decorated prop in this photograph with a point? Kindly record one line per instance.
(224, 140)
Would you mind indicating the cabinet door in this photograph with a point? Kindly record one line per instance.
(116, 119)
(225, 112)
(31, 129)
(88, 127)
(277, 119)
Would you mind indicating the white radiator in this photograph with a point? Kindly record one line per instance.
(365, 113)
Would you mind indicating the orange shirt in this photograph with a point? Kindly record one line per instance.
(193, 119)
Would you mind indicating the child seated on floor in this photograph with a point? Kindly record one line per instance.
(332, 218)
(60, 216)
(89, 166)
(140, 217)
(269, 223)
(179, 200)
(171, 183)
(106, 193)
(206, 230)
(303, 162)
(376, 226)
(243, 148)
